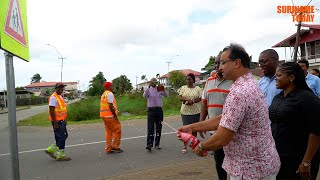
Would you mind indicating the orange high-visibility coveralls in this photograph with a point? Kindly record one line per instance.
(112, 126)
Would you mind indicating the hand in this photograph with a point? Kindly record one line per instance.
(304, 172)
(199, 152)
(185, 129)
(55, 125)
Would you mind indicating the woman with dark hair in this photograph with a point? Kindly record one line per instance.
(294, 114)
(315, 72)
(190, 95)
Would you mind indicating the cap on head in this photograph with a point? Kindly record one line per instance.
(107, 85)
(59, 84)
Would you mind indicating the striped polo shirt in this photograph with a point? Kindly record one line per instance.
(214, 95)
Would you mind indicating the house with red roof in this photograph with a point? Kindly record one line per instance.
(40, 87)
(309, 45)
(198, 75)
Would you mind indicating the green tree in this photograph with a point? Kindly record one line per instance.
(210, 65)
(35, 78)
(20, 88)
(121, 84)
(96, 85)
(177, 79)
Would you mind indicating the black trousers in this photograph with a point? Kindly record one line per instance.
(60, 134)
(218, 157)
(155, 118)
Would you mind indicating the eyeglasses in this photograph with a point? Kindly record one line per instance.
(264, 61)
(223, 62)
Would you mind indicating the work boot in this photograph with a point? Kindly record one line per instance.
(62, 157)
(51, 150)
(117, 150)
(149, 146)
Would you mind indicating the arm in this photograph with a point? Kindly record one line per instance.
(111, 107)
(221, 138)
(208, 125)
(146, 93)
(203, 115)
(53, 116)
(312, 148)
(113, 111)
(204, 111)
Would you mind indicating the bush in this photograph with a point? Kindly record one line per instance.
(85, 109)
(133, 103)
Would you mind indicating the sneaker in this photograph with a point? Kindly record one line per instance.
(117, 150)
(158, 147)
(51, 154)
(63, 158)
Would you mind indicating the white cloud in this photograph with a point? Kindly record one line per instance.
(138, 37)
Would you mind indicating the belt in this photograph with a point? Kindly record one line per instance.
(155, 108)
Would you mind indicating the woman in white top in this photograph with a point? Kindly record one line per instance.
(190, 95)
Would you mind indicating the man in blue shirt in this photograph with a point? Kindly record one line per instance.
(268, 61)
(312, 80)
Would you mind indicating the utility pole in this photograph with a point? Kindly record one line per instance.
(136, 83)
(168, 72)
(296, 45)
(61, 57)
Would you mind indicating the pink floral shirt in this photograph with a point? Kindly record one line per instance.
(251, 154)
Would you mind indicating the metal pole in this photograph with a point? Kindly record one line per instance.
(11, 96)
(61, 66)
(61, 57)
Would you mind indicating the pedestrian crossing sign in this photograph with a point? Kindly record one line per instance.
(13, 28)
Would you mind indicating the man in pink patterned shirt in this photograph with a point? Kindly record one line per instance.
(243, 129)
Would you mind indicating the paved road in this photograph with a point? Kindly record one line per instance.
(22, 114)
(86, 148)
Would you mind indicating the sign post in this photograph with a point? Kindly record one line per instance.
(14, 41)
(12, 116)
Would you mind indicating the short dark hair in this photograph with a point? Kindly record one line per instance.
(238, 52)
(192, 76)
(316, 70)
(292, 68)
(271, 53)
(305, 62)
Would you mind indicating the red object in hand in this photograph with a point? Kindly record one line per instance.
(189, 139)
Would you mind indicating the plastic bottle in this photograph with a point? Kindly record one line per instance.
(189, 139)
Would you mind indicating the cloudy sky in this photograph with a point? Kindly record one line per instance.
(138, 37)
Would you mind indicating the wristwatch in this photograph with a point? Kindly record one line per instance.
(306, 164)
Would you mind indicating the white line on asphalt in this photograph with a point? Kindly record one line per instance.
(83, 144)
(170, 126)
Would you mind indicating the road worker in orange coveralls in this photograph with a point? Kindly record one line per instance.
(109, 115)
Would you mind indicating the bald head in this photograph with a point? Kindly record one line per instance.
(268, 61)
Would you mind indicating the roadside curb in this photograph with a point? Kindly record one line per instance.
(18, 109)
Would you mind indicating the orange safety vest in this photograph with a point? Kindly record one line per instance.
(104, 105)
(60, 110)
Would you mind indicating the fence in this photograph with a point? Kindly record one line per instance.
(32, 101)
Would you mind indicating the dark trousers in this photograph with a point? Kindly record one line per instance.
(60, 134)
(218, 157)
(155, 118)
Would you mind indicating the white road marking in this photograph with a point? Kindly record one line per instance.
(170, 126)
(84, 144)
